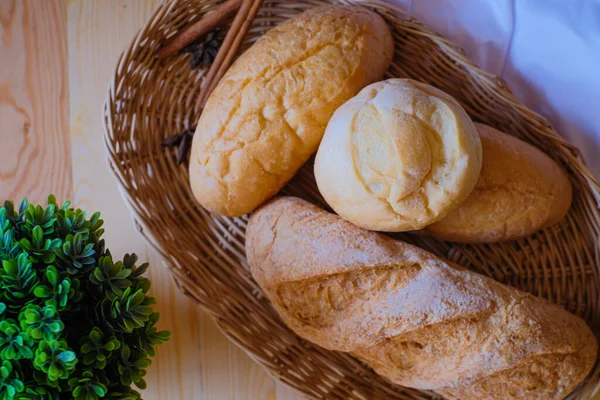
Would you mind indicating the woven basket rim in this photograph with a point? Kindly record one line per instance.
(569, 154)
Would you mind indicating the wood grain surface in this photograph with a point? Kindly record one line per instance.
(35, 152)
(56, 60)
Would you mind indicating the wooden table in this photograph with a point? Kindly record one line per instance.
(56, 60)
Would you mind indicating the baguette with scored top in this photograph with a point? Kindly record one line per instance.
(414, 318)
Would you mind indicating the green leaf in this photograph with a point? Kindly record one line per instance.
(125, 353)
(14, 343)
(126, 312)
(37, 235)
(38, 216)
(62, 292)
(58, 278)
(129, 367)
(67, 356)
(98, 348)
(41, 322)
(122, 392)
(51, 200)
(18, 280)
(10, 382)
(23, 205)
(76, 254)
(54, 359)
(89, 385)
(25, 244)
(33, 391)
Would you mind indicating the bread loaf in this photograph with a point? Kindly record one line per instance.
(398, 156)
(268, 114)
(414, 318)
(520, 190)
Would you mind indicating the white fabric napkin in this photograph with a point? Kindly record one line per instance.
(548, 51)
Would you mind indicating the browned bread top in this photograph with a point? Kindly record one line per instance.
(520, 190)
(414, 318)
(398, 156)
(268, 114)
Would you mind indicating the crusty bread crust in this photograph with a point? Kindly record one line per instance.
(268, 114)
(414, 318)
(520, 190)
(398, 156)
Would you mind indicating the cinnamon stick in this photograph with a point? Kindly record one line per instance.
(229, 48)
(213, 19)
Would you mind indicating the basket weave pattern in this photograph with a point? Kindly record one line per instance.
(149, 100)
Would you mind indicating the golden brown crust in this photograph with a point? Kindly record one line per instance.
(398, 156)
(268, 114)
(411, 316)
(520, 190)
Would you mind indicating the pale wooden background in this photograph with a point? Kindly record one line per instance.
(56, 60)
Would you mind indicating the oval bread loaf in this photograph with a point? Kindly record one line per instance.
(411, 316)
(268, 114)
(398, 156)
(520, 190)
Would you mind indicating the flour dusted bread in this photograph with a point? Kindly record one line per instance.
(398, 156)
(414, 318)
(520, 190)
(268, 114)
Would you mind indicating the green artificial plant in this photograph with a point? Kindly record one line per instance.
(74, 323)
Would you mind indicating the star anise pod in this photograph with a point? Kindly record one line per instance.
(204, 50)
(183, 142)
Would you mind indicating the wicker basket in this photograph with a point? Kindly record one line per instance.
(149, 100)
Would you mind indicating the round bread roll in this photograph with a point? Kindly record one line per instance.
(520, 190)
(398, 156)
(267, 115)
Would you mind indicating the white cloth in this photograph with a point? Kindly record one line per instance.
(548, 51)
